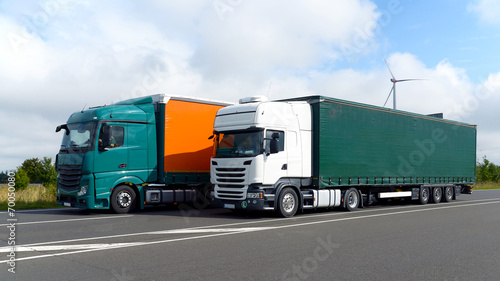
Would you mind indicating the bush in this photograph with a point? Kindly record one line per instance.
(42, 171)
(487, 171)
(51, 190)
(22, 179)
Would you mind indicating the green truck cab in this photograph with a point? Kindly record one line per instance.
(114, 156)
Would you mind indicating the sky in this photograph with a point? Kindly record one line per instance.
(60, 56)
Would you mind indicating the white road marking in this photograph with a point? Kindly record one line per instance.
(130, 245)
(210, 230)
(241, 230)
(455, 204)
(70, 247)
(40, 210)
(69, 220)
(41, 248)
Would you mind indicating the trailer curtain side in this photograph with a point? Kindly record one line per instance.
(357, 144)
(187, 125)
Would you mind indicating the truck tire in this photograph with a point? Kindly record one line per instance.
(351, 199)
(437, 194)
(288, 203)
(424, 195)
(448, 193)
(123, 199)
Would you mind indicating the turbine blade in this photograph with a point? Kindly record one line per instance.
(389, 68)
(392, 89)
(403, 80)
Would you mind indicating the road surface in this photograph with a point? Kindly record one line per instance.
(459, 240)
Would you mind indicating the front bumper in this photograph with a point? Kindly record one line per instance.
(247, 204)
(68, 200)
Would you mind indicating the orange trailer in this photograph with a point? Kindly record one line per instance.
(144, 151)
(188, 124)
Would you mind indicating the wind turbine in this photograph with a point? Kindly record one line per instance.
(393, 90)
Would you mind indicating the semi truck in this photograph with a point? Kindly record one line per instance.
(320, 152)
(144, 151)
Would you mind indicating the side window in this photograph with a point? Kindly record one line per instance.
(279, 136)
(116, 136)
(111, 136)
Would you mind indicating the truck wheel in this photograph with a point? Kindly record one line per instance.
(288, 203)
(424, 195)
(351, 199)
(437, 194)
(123, 199)
(448, 193)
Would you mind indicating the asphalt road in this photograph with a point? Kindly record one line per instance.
(459, 240)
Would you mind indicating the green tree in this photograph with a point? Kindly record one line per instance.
(42, 171)
(3, 177)
(487, 171)
(22, 179)
(33, 168)
(48, 174)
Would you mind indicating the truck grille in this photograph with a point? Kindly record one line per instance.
(230, 183)
(69, 177)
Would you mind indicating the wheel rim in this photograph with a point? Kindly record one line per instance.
(425, 194)
(352, 200)
(437, 194)
(288, 202)
(449, 192)
(124, 199)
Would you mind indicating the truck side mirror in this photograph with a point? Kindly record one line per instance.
(274, 145)
(64, 126)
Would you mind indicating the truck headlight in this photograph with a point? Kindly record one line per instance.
(83, 190)
(254, 195)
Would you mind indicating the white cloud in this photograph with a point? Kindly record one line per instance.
(259, 37)
(25, 135)
(94, 53)
(443, 86)
(488, 11)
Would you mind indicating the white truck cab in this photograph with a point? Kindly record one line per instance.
(259, 145)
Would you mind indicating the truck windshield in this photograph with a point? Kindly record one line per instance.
(240, 144)
(79, 138)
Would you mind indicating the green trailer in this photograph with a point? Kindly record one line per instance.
(321, 152)
(361, 145)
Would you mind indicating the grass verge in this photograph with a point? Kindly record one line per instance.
(486, 185)
(35, 196)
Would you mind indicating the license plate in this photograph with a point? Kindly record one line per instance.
(67, 204)
(229, 206)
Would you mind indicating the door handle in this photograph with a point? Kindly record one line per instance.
(284, 167)
(122, 166)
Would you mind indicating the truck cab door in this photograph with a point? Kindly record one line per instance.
(275, 157)
(139, 164)
(111, 158)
